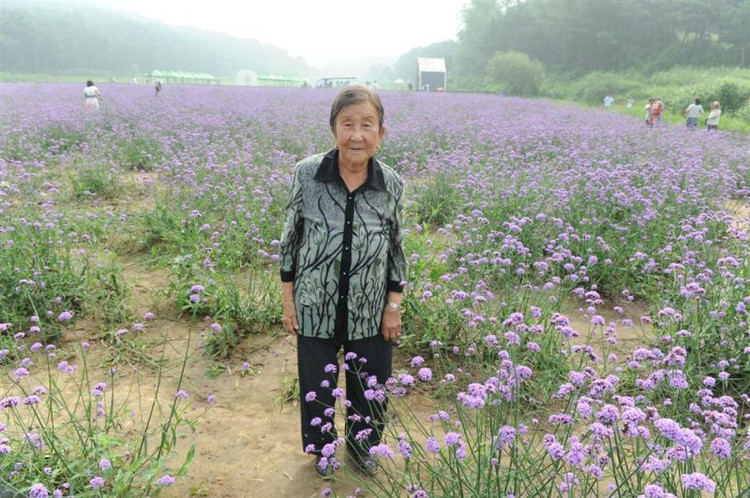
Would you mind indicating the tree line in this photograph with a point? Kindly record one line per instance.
(576, 37)
(580, 36)
(61, 39)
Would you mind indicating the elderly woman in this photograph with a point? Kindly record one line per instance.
(342, 268)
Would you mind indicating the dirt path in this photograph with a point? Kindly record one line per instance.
(247, 443)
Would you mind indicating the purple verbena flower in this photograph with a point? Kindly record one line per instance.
(697, 481)
(165, 480)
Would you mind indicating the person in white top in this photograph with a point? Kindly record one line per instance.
(693, 112)
(91, 96)
(712, 123)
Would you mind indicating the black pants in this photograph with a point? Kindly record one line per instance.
(362, 414)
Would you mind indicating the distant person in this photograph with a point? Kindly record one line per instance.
(657, 111)
(608, 101)
(649, 113)
(157, 87)
(410, 86)
(712, 123)
(693, 112)
(91, 96)
(630, 103)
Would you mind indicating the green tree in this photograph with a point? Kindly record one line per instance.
(734, 31)
(476, 42)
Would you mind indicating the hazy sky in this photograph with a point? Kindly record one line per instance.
(321, 31)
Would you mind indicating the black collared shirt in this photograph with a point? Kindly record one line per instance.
(343, 250)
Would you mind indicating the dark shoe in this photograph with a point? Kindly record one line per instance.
(326, 471)
(367, 464)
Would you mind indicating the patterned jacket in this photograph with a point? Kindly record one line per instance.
(343, 250)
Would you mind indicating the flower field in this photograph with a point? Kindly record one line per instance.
(576, 313)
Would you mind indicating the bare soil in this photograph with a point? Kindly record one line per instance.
(247, 443)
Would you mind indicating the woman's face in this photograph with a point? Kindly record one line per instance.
(358, 133)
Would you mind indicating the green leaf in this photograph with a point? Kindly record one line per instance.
(188, 458)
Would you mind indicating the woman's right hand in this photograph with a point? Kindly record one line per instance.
(289, 317)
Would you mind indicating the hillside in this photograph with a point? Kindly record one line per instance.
(65, 39)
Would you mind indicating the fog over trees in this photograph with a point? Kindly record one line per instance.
(571, 37)
(69, 38)
(575, 37)
(586, 35)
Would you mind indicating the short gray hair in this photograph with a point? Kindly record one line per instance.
(356, 94)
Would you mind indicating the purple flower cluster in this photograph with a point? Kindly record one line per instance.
(697, 481)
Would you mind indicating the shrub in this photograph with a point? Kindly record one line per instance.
(744, 113)
(732, 94)
(516, 72)
(594, 86)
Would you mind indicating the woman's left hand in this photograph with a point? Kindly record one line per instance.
(391, 325)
